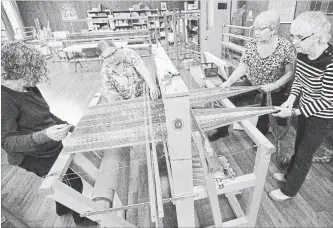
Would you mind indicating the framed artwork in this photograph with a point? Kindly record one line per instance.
(68, 11)
(163, 6)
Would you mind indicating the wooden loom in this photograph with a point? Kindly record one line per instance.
(172, 123)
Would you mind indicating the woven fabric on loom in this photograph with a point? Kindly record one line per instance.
(113, 126)
(121, 124)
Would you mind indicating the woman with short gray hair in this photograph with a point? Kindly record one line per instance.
(313, 84)
(268, 62)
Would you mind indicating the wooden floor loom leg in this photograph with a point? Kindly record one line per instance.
(210, 184)
(81, 204)
(260, 171)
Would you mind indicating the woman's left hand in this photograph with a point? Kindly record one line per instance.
(268, 88)
(154, 92)
(283, 112)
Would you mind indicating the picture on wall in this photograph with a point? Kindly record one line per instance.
(163, 6)
(68, 11)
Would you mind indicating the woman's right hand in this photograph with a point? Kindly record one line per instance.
(58, 132)
(289, 103)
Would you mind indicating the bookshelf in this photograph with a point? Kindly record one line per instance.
(99, 19)
(133, 19)
(157, 23)
(128, 20)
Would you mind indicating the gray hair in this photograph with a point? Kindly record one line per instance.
(268, 18)
(104, 44)
(312, 21)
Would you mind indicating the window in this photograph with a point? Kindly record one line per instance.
(324, 6)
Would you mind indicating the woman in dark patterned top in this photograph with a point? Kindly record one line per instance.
(30, 134)
(313, 84)
(268, 62)
(123, 73)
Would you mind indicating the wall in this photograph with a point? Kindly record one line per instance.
(50, 11)
(259, 6)
(301, 6)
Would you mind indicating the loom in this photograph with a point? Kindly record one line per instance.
(109, 138)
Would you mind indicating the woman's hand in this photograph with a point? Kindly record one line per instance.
(58, 132)
(283, 112)
(154, 92)
(289, 103)
(268, 88)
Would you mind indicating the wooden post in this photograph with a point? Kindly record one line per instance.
(175, 37)
(166, 27)
(210, 184)
(260, 171)
(184, 37)
(177, 113)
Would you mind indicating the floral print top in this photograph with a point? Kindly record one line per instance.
(128, 83)
(262, 71)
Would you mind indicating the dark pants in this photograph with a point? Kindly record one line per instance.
(310, 134)
(263, 121)
(41, 167)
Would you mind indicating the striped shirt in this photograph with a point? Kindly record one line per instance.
(314, 83)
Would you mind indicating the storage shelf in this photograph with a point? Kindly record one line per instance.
(98, 11)
(100, 17)
(134, 19)
(123, 26)
(127, 18)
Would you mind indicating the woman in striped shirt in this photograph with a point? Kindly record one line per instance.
(313, 84)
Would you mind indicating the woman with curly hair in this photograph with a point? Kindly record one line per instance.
(30, 134)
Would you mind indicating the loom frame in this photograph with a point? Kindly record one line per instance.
(176, 101)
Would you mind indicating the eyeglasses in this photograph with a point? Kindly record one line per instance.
(259, 29)
(298, 38)
(110, 55)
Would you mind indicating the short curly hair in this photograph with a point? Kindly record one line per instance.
(22, 61)
(268, 18)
